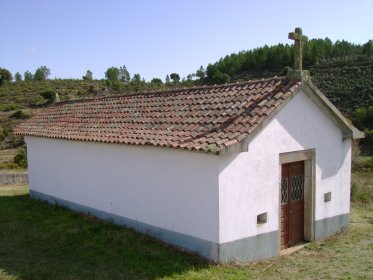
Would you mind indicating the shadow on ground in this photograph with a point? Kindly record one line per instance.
(41, 241)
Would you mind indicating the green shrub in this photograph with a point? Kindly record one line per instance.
(18, 98)
(354, 190)
(21, 158)
(6, 131)
(8, 165)
(115, 85)
(362, 164)
(48, 95)
(92, 89)
(8, 107)
(360, 194)
(364, 197)
(36, 100)
(19, 114)
(369, 162)
(79, 93)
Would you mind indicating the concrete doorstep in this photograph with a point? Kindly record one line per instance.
(292, 249)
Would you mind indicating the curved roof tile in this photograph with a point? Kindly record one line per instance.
(208, 118)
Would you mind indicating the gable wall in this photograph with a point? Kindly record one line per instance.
(167, 189)
(249, 182)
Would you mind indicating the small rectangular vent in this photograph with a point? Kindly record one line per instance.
(261, 218)
(327, 197)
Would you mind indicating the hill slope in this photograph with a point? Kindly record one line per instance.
(349, 87)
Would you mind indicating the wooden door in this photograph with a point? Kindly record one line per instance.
(292, 204)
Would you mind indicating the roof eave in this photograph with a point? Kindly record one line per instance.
(357, 134)
(243, 145)
(348, 130)
(240, 147)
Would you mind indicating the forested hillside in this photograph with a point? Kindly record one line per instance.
(349, 87)
(342, 70)
(276, 58)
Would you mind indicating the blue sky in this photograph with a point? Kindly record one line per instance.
(156, 38)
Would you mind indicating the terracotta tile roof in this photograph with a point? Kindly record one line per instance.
(208, 118)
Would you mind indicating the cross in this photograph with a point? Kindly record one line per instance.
(299, 39)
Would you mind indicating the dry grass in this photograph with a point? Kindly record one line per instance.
(13, 190)
(7, 155)
(363, 179)
(362, 187)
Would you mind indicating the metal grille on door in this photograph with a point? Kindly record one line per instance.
(297, 187)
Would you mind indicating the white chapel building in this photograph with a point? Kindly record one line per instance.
(234, 172)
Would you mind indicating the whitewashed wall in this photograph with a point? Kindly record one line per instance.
(214, 198)
(249, 182)
(170, 189)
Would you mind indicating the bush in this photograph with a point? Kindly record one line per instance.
(115, 85)
(362, 164)
(8, 107)
(21, 158)
(364, 197)
(369, 163)
(360, 194)
(49, 96)
(6, 131)
(36, 100)
(92, 89)
(8, 165)
(19, 114)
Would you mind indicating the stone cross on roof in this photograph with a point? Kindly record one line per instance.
(299, 39)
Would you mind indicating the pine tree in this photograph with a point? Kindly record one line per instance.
(18, 77)
(28, 76)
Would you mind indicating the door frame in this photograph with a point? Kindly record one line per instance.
(308, 156)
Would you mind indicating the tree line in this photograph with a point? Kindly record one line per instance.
(41, 74)
(272, 58)
(276, 58)
(113, 76)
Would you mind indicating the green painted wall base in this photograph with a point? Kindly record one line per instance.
(251, 248)
(329, 226)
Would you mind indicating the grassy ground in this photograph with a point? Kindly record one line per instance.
(40, 241)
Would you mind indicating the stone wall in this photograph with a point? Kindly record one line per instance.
(13, 178)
